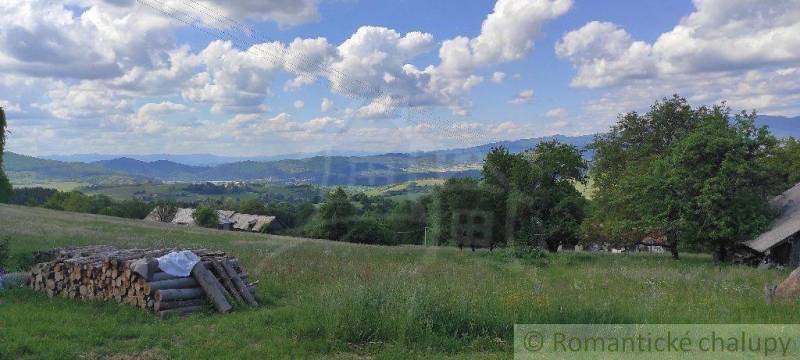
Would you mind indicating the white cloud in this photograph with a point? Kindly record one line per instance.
(233, 80)
(498, 77)
(149, 117)
(507, 34)
(299, 104)
(523, 97)
(326, 105)
(719, 36)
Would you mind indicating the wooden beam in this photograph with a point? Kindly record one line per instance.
(211, 287)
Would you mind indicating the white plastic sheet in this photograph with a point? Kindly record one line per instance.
(178, 263)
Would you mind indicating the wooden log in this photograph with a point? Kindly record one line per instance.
(226, 280)
(240, 285)
(183, 283)
(180, 311)
(211, 287)
(178, 294)
(168, 305)
(163, 276)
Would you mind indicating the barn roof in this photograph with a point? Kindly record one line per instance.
(184, 217)
(787, 225)
(247, 222)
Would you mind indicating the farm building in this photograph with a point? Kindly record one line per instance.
(781, 243)
(228, 220)
(256, 223)
(183, 217)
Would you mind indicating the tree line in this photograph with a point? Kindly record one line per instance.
(699, 177)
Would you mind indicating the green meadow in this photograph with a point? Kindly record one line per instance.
(323, 299)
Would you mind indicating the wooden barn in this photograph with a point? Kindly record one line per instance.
(781, 243)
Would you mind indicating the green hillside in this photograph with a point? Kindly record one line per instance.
(27, 170)
(323, 299)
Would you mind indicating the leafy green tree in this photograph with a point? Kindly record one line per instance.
(624, 158)
(407, 221)
(454, 195)
(786, 162)
(206, 216)
(253, 207)
(547, 208)
(369, 230)
(722, 181)
(5, 185)
(334, 217)
(77, 202)
(689, 174)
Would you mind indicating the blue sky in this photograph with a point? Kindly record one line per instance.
(94, 76)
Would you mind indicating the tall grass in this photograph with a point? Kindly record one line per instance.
(328, 300)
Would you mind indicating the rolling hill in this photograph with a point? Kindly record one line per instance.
(781, 126)
(335, 170)
(28, 170)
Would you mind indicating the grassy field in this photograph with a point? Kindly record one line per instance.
(323, 299)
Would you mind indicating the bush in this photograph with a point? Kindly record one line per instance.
(369, 231)
(4, 251)
(206, 217)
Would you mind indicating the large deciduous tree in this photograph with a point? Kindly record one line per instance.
(696, 174)
(547, 208)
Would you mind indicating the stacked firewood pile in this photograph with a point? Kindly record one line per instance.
(132, 276)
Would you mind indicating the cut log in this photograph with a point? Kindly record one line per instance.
(168, 305)
(240, 285)
(163, 276)
(226, 280)
(182, 283)
(178, 294)
(211, 287)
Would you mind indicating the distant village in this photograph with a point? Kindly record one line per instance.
(228, 220)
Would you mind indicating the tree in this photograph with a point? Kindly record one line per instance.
(407, 221)
(786, 162)
(206, 216)
(690, 174)
(369, 230)
(252, 207)
(547, 207)
(5, 185)
(722, 181)
(627, 155)
(454, 195)
(334, 217)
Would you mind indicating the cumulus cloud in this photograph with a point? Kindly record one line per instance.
(523, 97)
(148, 119)
(719, 36)
(299, 104)
(498, 77)
(50, 39)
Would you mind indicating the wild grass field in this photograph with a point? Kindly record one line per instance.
(322, 299)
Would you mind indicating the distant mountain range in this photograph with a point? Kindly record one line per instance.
(781, 126)
(324, 170)
(340, 168)
(200, 159)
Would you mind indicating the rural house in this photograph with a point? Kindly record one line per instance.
(781, 243)
(228, 220)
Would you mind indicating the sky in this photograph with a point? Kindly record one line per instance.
(269, 77)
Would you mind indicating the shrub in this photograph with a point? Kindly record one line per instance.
(369, 231)
(4, 251)
(206, 217)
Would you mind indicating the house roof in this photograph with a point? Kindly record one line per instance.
(184, 217)
(247, 222)
(787, 224)
(226, 216)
